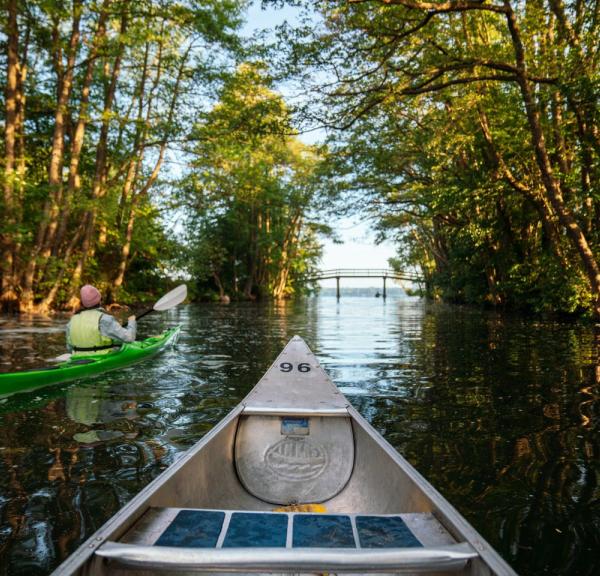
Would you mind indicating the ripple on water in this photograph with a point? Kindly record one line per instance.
(498, 412)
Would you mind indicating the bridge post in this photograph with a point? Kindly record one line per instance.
(337, 281)
(384, 279)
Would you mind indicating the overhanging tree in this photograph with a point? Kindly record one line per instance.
(394, 56)
(96, 95)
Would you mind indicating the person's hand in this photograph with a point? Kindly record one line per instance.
(131, 318)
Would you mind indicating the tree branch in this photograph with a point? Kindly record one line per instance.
(440, 7)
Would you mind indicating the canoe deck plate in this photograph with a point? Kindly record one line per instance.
(287, 460)
(208, 528)
(295, 383)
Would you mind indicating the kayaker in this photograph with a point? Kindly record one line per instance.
(92, 329)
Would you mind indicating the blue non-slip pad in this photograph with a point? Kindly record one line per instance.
(201, 529)
(193, 529)
(322, 531)
(256, 530)
(384, 532)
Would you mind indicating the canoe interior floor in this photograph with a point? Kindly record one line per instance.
(230, 528)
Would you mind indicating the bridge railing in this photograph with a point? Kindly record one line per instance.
(363, 273)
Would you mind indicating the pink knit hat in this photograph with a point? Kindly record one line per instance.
(90, 296)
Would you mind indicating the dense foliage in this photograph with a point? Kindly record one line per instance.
(254, 194)
(470, 131)
(97, 95)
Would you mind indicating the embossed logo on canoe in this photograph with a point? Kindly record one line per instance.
(296, 459)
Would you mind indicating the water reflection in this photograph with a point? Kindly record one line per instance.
(22, 340)
(499, 413)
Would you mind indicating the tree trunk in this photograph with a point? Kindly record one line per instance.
(98, 184)
(565, 216)
(20, 159)
(135, 197)
(55, 178)
(137, 157)
(134, 168)
(252, 255)
(44, 306)
(287, 255)
(544, 211)
(8, 293)
(73, 183)
(219, 284)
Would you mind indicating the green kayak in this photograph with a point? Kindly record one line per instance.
(83, 366)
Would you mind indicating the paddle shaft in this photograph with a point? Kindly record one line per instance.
(144, 313)
(138, 316)
(169, 300)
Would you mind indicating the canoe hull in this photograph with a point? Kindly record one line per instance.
(381, 483)
(204, 478)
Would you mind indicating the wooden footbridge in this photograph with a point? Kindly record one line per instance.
(384, 274)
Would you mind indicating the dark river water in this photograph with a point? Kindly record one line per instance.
(499, 413)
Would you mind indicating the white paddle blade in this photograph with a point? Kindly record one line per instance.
(171, 299)
(62, 358)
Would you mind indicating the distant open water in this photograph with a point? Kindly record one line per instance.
(500, 413)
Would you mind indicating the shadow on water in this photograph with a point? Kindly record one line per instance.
(506, 428)
(500, 414)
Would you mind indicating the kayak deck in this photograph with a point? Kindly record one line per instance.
(82, 366)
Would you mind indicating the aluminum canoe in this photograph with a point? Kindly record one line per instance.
(292, 481)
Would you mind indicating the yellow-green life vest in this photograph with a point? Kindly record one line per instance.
(84, 332)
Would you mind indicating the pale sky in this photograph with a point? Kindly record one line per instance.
(359, 249)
